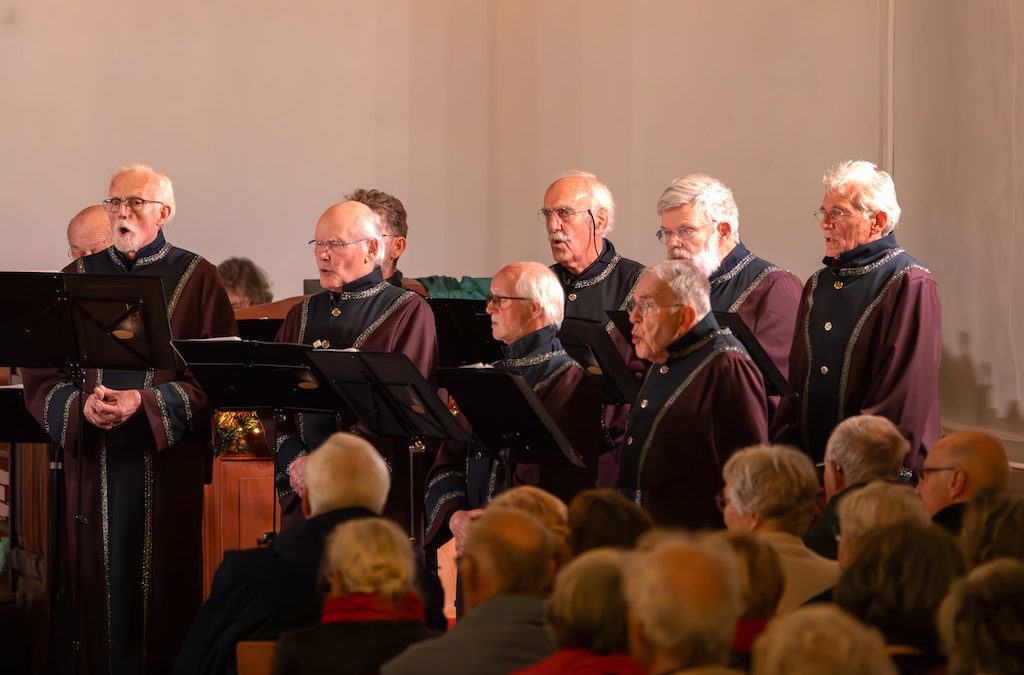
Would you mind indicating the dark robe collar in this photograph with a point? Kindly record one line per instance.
(539, 341)
(396, 278)
(704, 328)
(143, 255)
(864, 254)
(595, 268)
(735, 257)
(363, 283)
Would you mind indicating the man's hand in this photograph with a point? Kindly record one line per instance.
(458, 523)
(297, 476)
(109, 408)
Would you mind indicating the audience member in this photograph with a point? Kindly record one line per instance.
(586, 618)
(861, 449)
(895, 582)
(373, 611)
(771, 490)
(820, 639)
(762, 588)
(246, 283)
(993, 526)
(684, 600)
(955, 468)
(877, 504)
(601, 517)
(549, 510)
(259, 593)
(395, 232)
(506, 569)
(89, 232)
(699, 370)
(981, 621)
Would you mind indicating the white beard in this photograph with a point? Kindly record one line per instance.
(127, 242)
(707, 260)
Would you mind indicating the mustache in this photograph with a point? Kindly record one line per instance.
(679, 253)
(558, 237)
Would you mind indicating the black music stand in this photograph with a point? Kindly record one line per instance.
(75, 322)
(507, 416)
(264, 329)
(591, 346)
(463, 332)
(774, 382)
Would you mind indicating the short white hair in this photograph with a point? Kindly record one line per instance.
(820, 639)
(868, 187)
(775, 482)
(372, 555)
(346, 472)
(866, 448)
(688, 284)
(600, 195)
(536, 281)
(712, 200)
(161, 182)
(876, 504)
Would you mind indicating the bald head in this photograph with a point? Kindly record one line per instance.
(89, 232)
(350, 244)
(959, 465)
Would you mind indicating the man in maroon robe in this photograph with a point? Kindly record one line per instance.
(703, 399)
(359, 309)
(868, 335)
(135, 525)
(526, 308)
(395, 233)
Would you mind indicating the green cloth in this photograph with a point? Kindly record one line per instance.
(467, 288)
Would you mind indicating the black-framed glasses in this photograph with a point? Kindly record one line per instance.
(136, 204)
(646, 307)
(833, 214)
(333, 244)
(920, 474)
(499, 301)
(562, 213)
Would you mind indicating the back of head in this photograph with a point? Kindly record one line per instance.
(373, 556)
(776, 483)
(866, 448)
(89, 231)
(549, 510)
(876, 504)
(820, 639)
(537, 282)
(603, 517)
(979, 455)
(586, 609)
(688, 284)
(712, 201)
(869, 188)
(684, 601)
(512, 550)
(993, 526)
(389, 208)
(763, 581)
(982, 620)
(896, 580)
(346, 472)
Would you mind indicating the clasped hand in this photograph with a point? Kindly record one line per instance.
(108, 408)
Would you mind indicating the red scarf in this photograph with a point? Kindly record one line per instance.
(358, 607)
(747, 630)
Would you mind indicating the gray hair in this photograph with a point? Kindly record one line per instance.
(869, 188)
(586, 609)
(536, 281)
(776, 483)
(600, 195)
(346, 472)
(372, 555)
(866, 448)
(678, 613)
(712, 201)
(820, 639)
(162, 183)
(688, 284)
(878, 503)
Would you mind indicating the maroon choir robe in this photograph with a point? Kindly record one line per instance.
(138, 550)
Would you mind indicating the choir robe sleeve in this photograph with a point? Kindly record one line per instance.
(446, 490)
(288, 444)
(785, 425)
(770, 312)
(408, 330)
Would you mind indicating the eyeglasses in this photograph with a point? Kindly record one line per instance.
(333, 244)
(833, 214)
(136, 204)
(681, 233)
(562, 213)
(920, 474)
(499, 301)
(646, 307)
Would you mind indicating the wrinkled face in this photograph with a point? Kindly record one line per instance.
(934, 486)
(688, 237)
(515, 318)
(339, 265)
(846, 227)
(576, 240)
(132, 231)
(662, 325)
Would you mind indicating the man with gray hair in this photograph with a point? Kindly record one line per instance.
(526, 307)
(868, 333)
(703, 399)
(684, 598)
(861, 449)
(359, 309)
(700, 223)
(135, 449)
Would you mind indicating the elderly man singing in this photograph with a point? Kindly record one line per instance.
(526, 309)
(703, 399)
